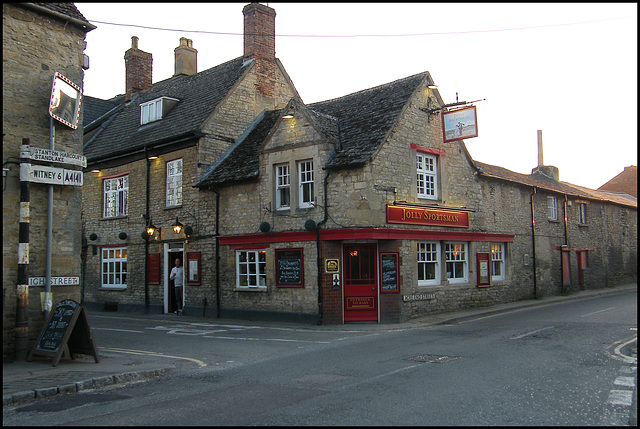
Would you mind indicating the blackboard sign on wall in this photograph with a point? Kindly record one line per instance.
(289, 272)
(68, 325)
(389, 272)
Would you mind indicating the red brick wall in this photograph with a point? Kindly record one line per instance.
(260, 44)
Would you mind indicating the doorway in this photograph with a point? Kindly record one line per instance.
(172, 251)
(360, 282)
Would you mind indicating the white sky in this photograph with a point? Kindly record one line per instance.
(569, 70)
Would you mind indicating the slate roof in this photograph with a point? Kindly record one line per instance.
(198, 96)
(541, 181)
(67, 9)
(625, 182)
(365, 118)
(241, 162)
(95, 108)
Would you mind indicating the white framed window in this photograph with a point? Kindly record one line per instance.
(283, 187)
(174, 183)
(306, 195)
(428, 255)
(497, 261)
(116, 193)
(582, 213)
(114, 267)
(552, 208)
(150, 111)
(251, 269)
(457, 265)
(427, 176)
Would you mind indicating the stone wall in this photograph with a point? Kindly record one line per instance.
(34, 47)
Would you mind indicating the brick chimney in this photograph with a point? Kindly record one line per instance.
(138, 69)
(260, 44)
(186, 58)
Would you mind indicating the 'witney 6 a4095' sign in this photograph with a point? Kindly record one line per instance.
(427, 216)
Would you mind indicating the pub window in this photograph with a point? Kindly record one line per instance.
(428, 255)
(306, 195)
(457, 265)
(427, 176)
(251, 269)
(116, 193)
(114, 267)
(283, 185)
(174, 183)
(497, 261)
(552, 208)
(582, 213)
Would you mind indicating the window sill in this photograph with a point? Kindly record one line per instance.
(583, 225)
(113, 288)
(115, 217)
(250, 289)
(553, 220)
(179, 206)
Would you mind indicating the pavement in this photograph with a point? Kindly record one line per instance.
(24, 381)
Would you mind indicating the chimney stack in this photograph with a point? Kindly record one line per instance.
(186, 58)
(138, 65)
(547, 170)
(260, 44)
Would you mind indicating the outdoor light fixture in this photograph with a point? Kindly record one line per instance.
(287, 116)
(95, 171)
(151, 229)
(153, 157)
(177, 227)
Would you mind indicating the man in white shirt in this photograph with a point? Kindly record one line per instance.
(177, 275)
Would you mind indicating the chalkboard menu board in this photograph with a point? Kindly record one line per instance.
(289, 271)
(389, 272)
(68, 325)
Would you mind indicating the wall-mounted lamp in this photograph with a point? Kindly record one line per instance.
(151, 229)
(153, 157)
(287, 116)
(95, 170)
(177, 227)
(432, 86)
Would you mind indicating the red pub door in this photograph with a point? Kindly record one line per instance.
(360, 282)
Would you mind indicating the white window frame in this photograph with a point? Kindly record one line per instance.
(151, 111)
(428, 252)
(283, 185)
(457, 254)
(582, 213)
(306, 186)
(497, 260)
(115, 196)
(427, 176)
(251, 268)
(174, 183)
(552, 207)
(113, 267)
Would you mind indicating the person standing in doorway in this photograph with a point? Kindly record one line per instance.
(178, 282)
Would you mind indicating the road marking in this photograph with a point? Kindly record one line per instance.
(146, 353)
(625, 381)
(531, 333)
(119, 330)
(599, 311)
(265, 339)
(620, 397)
(626, 358)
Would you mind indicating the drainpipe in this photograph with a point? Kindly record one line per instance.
(533, 242)
(322, 222)
(217, 253)
(47, 283)
(566, 238)
(146, 239)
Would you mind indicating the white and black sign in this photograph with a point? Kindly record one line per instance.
(50, 175)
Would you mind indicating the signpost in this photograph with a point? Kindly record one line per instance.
(50, 175)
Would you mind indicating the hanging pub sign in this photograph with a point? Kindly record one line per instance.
(64, 104)
(459, 124)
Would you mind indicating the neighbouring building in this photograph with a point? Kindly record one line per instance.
(350, 209)
(625, 182)
(38, 40)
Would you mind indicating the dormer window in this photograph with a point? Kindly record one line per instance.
(155, 110)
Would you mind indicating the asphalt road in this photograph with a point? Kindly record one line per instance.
(560, 364)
